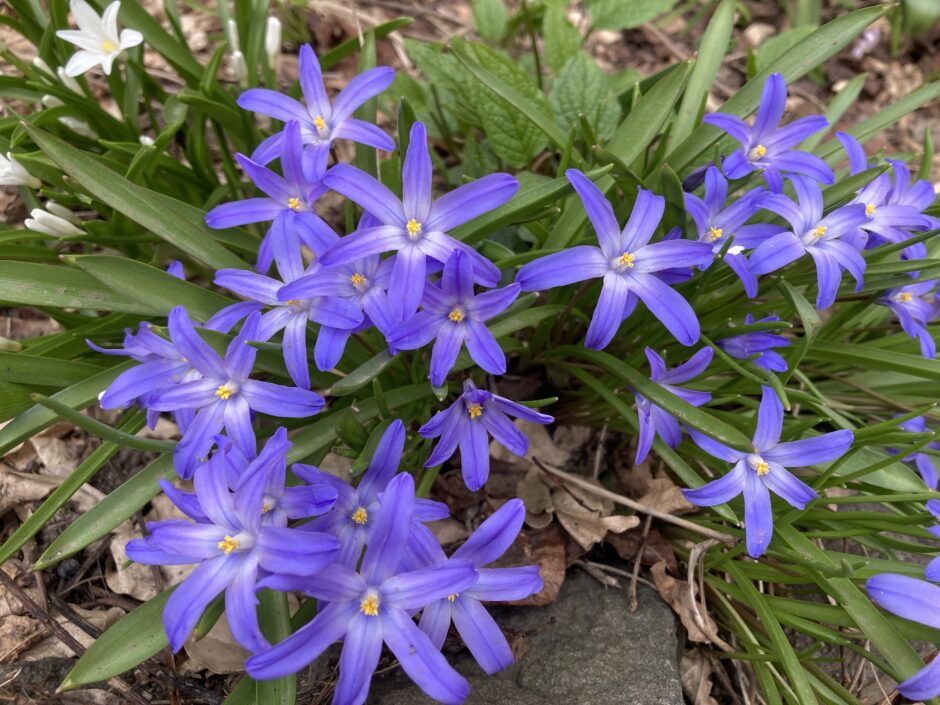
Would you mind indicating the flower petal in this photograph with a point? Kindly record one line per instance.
(719, 491)
(769, 420)
(810, 451)
(361, 88)
(285, 550)
(193, 595)
(466, 202)
(758, 516)
(368, 192)
(414, 589)
(608, 314)
(278, 400)
(494, 536)
(482, 635)
(474, 455)
(599, 212)
(673, 311)
(416, 176)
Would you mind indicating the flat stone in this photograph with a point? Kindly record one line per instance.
(586, 648)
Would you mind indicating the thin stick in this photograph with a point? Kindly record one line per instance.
(636, 506)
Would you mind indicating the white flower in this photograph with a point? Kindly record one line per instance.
(68, 81)
(42, 66)
(12, 173)
(42, 221)
(239, 67)
(74, 124)
(96, 37)
(62, 212)
(231, 33)
(272, 41)
(145, 140)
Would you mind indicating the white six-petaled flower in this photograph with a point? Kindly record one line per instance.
(97, 38)
(12, 173)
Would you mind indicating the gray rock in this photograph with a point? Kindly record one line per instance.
(586, 648)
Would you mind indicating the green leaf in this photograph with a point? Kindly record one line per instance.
(177, 54)
(276, 626)
(711, 52)
(133, 201)
(626, 14)
(775, 46)
(562, 39)
(489, 18)
(362, 375)
(682, 410)
(30, 284)
(47, 371)
(77, 396)
(582, 88)
(131, 640)
(513, 111)
(874, 359)
(150, 286)
(814, 50)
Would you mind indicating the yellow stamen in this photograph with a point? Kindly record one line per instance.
(360, 516)
(228, 544)
(904, 297)
(294, 204)
(870, 209)
(452, 597)
(108, 46)
(319, 122)
(759, 151)
(715, 234)
(357, 279)
(265, 508)
(819, 230)
(456, 315)
(475, 411)
(370, 606)
(414, 228)
(626, 260)
(224, 392)
(762, 468)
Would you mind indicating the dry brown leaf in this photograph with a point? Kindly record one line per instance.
(546, 549)
(663, 494)
(655, 549)
(676, 593)
(51, 647)
(695, 672)
(217, 652)
(17, 633)
(537, 497)
(448, 531)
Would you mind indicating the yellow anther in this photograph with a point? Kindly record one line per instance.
(819, 230)
(360, 516)
(294, 204)
(715, 234)
(453, 596)
(224, 392)
(626, 260)
(456, 315)
(869, 209)
(357, 279)
(228, 544)
(759, 151)
(319, 122)
(414, 228)
(108, 46)
(265, 508)
(762, 468)
(904, 297)
(475, 411)
(370, 606)
(292, 302)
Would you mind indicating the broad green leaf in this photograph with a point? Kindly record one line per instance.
(31, 284)
(626, 14)
(869, 358)
(46, 371)
(276, 626)
(131, 640)
(814, 50)
(775, 46)
(489, 18)
(582, 88)
(135, 16)
(562, 39)
(840, 103)
(134, 202)
(513, 112)
(151, 286)
(362, 375)
(711, 52)
(77, 396)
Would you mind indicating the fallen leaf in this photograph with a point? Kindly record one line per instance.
(655, 550)
(51, 647)
(448, 531)
(695, 672)
(676, 593)
(217, 652)
(18, 632)
(663, 494)
(546, 549)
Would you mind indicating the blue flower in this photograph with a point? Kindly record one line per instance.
(320, 122)
(452, 316)
(353, 519)
(716, 224)
(914, 306)
(415, 226)
(759, 344)
(476, 627)
(758, 473)
(289, 203)
(225, 396)
(917, 601)
(812, 232)
(922, 461)
(766, 146)
(338, 316)
(373, 606)
(627, 263)
(234, 542)
(655, 421)
(468, 423)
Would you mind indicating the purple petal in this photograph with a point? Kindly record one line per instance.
(520, 411)
(924, 684)
(361, 88)
(466, 202)
(689, 369)
(295, 351)
(249, 210)
(364, 243)
(906, 597)
(417, 331)
(670, 254)
(599, 212)
(791, 135)
(368, 192)
(362, 647)
(196, 351)
(272, 184)
(775, 253)
(504, 431)
(198, 440)
(810, 451)
(503, 584)
(732, 124)
(277, 400)
(829, 277)
(790, 488)
(188, 395)
(483, 348)
(758, 516)
(495, 535)
(457, 278)
(474, 456)
(646, 435)
(722, 490)
(450, 338)
(388, 537)
(805, 164)
(561, 268)
(407, 282)
(481, 635)
(769, 421)
(773, 102)
(416, 176)
(273, 103)
(385, 460)
(673, 311)
(213, 493)
(435, 621)
(714, 448)
(440, 246)
(338, 584)
(490, 303)
(858, 162)
(608, 313)
(454, 426)
(193, 595)
(241, 607)
(284, 550)
(311, 83)
(364, 133)
(251, 285)
(414, 589)
(644, 218)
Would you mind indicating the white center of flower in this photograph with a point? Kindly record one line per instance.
(226, 390)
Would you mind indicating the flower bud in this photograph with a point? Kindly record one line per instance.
(272, 41)
(12, 173)
(68, 81)
(44, 222)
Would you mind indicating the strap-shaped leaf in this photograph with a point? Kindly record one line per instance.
(869, 358)
(133, 201)
(47, 371)
(30, 284)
